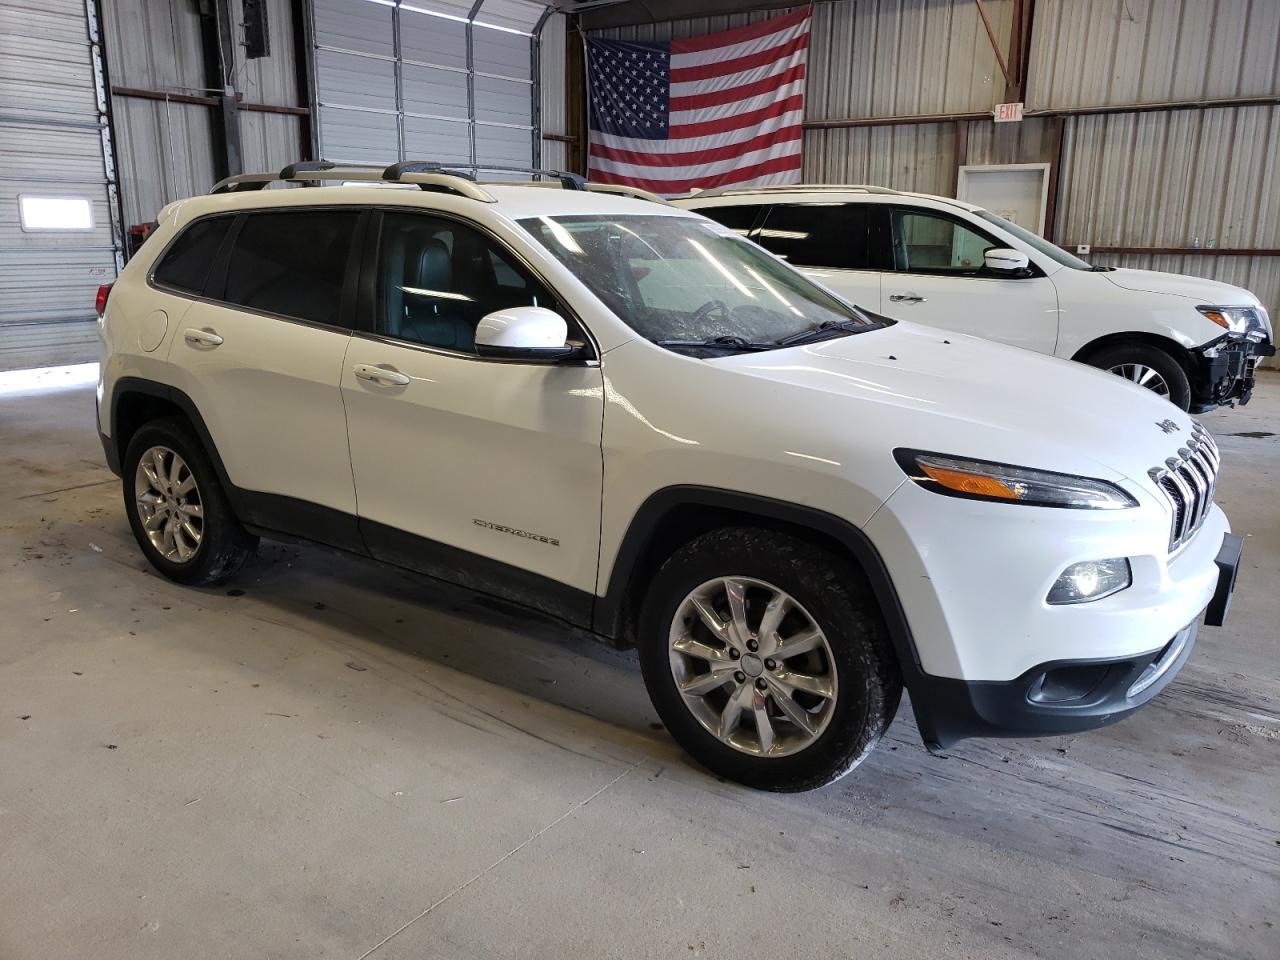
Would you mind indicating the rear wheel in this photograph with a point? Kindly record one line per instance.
(178, 511)
(1148, 366)
(766, 660)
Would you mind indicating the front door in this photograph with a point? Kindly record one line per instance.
(939, 279)
(484, 472)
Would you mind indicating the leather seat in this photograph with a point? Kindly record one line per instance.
(414, 313)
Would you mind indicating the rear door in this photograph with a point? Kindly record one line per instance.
(835, 243)
(261, 355)
(939, 279)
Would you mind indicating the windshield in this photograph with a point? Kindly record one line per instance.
(684, 282)
(1040, 244)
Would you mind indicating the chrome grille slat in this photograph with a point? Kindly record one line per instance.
(1189, 481)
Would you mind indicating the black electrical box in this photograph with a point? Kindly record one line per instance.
(257, 33)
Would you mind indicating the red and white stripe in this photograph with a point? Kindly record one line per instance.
(736, 107)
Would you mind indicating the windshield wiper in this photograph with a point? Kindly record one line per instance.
(823, 330)
(725, 342)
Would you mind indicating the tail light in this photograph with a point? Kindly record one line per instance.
(100, 302)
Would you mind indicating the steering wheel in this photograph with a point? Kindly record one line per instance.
(710, 307)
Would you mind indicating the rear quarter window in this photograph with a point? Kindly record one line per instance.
(185, 266)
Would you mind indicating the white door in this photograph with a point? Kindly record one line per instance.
(459, 459)
(265, 362)
(1016, 191)
(830, 242)
(939, 279)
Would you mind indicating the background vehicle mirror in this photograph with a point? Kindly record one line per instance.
(524, 333)
(1006, 261)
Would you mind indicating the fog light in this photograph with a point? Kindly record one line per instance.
(1091, 580)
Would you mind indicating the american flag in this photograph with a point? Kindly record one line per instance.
(704, 112)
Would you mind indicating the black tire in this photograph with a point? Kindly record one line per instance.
(1147, 355)
(224, 544)
(833, 593)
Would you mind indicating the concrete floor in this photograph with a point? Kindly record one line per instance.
(325, 758)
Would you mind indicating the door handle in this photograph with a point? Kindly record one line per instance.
(907, 298)
(201, 338)
(382, 375)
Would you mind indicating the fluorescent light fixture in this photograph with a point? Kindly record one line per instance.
(723, 270)
(438, 294)
(777, 296)
(55, 213)
(784, 234)
(563, 236)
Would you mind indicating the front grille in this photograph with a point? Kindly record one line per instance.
(1188, 481)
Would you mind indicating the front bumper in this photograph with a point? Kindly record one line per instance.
(1225, 371)
(1062, 696)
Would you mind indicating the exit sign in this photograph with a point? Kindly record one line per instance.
(1008, 112)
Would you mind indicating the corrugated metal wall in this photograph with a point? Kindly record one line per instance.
(52, 142)
(552, 79)
(167, 148)
(1087, 53)
(1156, 179)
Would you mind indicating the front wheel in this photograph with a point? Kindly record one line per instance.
(767, 660)
(1147, 366)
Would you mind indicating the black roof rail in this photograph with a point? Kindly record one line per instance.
(294, 170)
(394, 172)
(569, 181)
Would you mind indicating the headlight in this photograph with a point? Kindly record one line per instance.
(1090, 580)
(982, 480)
(1245, 320)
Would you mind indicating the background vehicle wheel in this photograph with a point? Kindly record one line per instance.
(767, 660)
(1149, 367)
(177, 509)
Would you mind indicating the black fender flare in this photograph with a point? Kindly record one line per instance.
(151, 388)
(608, 614)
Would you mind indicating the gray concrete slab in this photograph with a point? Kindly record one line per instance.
(327, 758)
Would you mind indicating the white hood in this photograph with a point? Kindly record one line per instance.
(951, 393)
(1210, 292)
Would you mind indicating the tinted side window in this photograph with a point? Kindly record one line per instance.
(292, 263)
(739, 219)
(818, 235)
(186, 264)
(927, 242)
(438, 278)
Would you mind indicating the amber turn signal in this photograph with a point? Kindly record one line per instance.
(972, 483)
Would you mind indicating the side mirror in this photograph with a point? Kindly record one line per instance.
(1004, 260)
(524, 333)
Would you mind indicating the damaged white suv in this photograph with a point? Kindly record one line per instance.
(625, 416)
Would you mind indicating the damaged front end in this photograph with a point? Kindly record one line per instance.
(1224, 370)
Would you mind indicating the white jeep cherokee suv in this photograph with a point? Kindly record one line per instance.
(956, 266)
(623, 415)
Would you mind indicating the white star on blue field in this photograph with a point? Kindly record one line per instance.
(629, 88)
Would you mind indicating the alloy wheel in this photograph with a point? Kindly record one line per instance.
(752, 666)
(169, 505)
(1143, 376)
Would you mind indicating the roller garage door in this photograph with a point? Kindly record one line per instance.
(447, 80)
(58, 235)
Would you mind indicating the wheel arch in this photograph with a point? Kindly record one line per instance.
(1170, 346)
(136, 402)
(674, 516)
